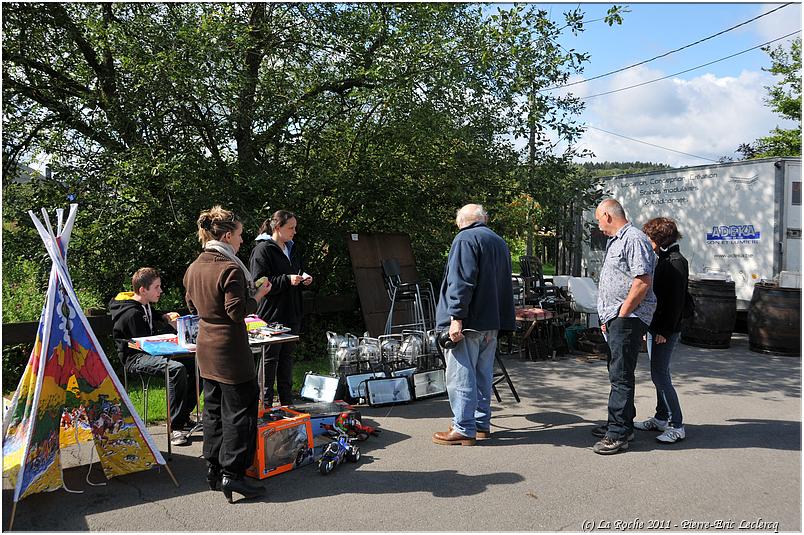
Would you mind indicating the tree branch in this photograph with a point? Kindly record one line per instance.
(104, 69)
(244, 114)
(64, 113)
(11, 160)
(69, 85)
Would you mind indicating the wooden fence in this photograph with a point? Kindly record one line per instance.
(23, 333)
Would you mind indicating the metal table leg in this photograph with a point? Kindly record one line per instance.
(261, 375)
(167, 403)
(198, 419)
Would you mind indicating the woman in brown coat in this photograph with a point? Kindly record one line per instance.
(221, 291)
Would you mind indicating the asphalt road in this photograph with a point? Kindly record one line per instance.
(740, 465)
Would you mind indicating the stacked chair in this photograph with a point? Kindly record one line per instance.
(418, 297)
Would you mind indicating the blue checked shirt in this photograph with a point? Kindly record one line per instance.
(628, 255)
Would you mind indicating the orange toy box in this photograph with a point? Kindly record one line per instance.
(284, 442)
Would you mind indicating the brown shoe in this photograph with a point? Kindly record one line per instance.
(482, 434)
(452, 438)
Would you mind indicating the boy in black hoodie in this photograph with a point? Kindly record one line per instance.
(134, 317)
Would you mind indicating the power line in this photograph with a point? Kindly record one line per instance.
(666, 53)
(652, 144)
(687, 70)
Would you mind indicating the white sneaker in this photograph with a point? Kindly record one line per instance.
(651, 424)
(178, 438)
(672, 434)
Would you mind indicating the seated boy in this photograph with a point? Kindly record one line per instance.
(134, 317)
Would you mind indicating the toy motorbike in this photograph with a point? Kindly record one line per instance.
(336, 451)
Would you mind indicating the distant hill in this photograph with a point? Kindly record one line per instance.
(599, 169)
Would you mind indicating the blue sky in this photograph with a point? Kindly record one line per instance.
(707, 112)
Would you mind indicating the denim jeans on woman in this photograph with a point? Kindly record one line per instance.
(624, 336)
(667, 406)
(470, 370)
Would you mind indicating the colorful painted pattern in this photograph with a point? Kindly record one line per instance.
(72, 397)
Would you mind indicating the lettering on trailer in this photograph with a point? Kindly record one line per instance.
(744, 182)
(733, 234)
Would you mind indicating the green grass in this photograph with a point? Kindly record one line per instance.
(156, 398)
(156, 389)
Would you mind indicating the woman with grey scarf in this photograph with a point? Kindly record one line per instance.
(221, 291)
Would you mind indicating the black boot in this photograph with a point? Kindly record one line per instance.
(213, 476)
(240, 485)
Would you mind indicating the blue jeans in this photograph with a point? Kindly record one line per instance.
(470, 371)
(625, 340)
(667, 407)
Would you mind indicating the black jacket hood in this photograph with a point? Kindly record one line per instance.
(122, 303)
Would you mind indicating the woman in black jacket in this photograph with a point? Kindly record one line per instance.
(278, 258)
(670, 286)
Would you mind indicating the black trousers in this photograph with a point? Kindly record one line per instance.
(279, 369)
(230, 425)
(181, 376)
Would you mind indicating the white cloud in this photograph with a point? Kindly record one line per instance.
(779, 23)
(705, 116)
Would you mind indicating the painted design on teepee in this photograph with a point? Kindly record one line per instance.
(69, 393)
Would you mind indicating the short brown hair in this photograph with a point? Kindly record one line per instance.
(215, 222)
(662, 230)
(143, 278)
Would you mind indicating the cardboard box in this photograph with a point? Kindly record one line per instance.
(187, 327)
(323, 413)
(284, 442)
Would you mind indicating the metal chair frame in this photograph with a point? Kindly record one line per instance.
(419, 295)
(145, 380)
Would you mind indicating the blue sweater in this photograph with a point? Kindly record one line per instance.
(477, 282)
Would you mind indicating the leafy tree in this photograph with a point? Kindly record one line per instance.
(358, 117)
(605, 169)
(784, 98)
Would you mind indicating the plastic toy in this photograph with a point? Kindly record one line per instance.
(336, 451)
(347, 424)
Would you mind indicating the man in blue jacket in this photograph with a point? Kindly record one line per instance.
(476, 301)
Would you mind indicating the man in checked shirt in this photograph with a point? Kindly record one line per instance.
(625, 304)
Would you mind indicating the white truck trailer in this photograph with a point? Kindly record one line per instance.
(741, 218)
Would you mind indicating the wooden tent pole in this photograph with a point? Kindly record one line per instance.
(11, 521)
(169, 473)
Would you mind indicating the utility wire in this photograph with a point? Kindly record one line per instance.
(687, 70)
(666, 53)
(651, 144)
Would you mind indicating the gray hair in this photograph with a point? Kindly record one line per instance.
(469, 214)
(613, 207)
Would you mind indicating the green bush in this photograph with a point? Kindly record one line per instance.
(24, 290)
(14, 360)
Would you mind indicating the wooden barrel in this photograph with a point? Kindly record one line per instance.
(774, 320)
(715, 313)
